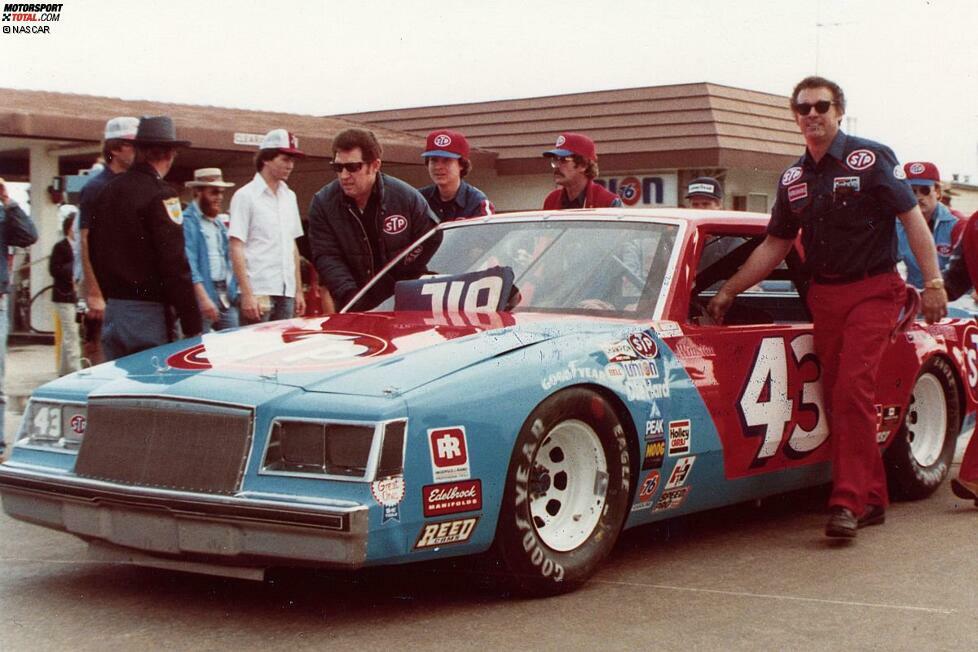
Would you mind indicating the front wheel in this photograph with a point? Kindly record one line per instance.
(921, 453)
(567, 492)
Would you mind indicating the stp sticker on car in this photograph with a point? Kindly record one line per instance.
(449, 453)
(861, 159)
(680, 434)
(680, 472)
(671, 499)
(444, 499)
(791, 175)
(394, 224)
(643, 344)
(445, 533)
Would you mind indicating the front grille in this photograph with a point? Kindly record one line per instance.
(168, 444)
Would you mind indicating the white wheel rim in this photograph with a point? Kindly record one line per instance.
(568, 485)
(927, 420)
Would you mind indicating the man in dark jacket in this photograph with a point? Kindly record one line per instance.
(137, 248)
(363, 219)
(61, 267)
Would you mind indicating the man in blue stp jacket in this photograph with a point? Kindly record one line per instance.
(205, 239)
(450, 196)
(925, 181)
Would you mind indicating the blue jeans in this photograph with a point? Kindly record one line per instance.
(225, 319)
(282, 308)
(132, 326)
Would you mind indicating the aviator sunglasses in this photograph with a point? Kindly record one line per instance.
(804, 108)
(349, 167)
(920, 190)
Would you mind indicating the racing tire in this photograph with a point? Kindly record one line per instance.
(919, 457)
(566, 496)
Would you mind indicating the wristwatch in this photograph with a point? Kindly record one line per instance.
(934, 284)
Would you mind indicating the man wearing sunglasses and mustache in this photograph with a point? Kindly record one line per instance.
(574, 161)
(925, 181)
(845, 195)
(363, 219)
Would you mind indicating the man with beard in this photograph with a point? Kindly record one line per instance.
(575, 164)
(206, 242)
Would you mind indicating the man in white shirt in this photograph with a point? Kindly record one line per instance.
(264, 226)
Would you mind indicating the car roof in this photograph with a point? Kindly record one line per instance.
(695, 218)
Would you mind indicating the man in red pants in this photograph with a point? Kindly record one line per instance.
(845, 194)
(960, 277)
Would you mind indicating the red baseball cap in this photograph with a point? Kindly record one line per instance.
(922, 173)
(568, 144)
(446, 143)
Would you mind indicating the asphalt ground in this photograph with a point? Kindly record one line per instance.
(758, 575)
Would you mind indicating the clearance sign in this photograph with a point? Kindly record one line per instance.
(645, 189)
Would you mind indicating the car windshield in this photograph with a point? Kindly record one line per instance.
(573, 266)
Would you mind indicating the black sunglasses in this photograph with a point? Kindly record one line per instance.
(921, 190)
(349, 167)
(804, 108)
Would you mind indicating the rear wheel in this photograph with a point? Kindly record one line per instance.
(919, 458)
(566, 494)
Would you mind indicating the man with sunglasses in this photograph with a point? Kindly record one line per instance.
(206, 241)
(575, 165)
(446, 156)
(264, 226)
(363, 219)
(845, 195)
(925, 181)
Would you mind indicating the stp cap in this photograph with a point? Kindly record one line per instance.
(121, 128)
(446, 143)
(705, 187)
(922, 173)
(568, 144)
(282, 140)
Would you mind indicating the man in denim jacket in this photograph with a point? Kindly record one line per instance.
(206, 242)
(17, 230)
(925, 181)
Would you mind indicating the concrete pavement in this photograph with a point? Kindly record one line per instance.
(28, 366)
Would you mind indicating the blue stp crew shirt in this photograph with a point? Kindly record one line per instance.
(469, 201)
(846, 207)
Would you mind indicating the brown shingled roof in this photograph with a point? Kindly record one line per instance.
(681, 126)
(81, 118)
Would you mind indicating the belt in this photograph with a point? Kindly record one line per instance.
(885, 268)
(220, 285)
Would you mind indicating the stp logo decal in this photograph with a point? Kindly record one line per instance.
(269, 347)
(442, 499)
(916, 168)
(630, 191)
(644, 345)
(861, 159)
(442, 140)
(560, 141)
(449, 453)
(790, 175)
(394, 224)
(77, 424)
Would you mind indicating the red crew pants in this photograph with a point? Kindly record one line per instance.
(853, 323)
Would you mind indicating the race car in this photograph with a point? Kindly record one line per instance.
(526, 384)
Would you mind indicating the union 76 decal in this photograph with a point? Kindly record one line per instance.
(781, 402)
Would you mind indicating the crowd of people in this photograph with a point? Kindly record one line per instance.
(151, 270)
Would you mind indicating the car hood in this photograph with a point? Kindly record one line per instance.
(370, 354)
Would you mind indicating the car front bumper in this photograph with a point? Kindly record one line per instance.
(247, 529)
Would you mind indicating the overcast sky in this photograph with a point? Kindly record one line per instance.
(909, 67)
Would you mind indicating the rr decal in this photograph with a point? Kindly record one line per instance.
(771, 402)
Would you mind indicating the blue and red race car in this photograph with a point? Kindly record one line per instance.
(550, 379)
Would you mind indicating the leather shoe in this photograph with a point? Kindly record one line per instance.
(965, 489)
(874, 515)
(842, 524)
